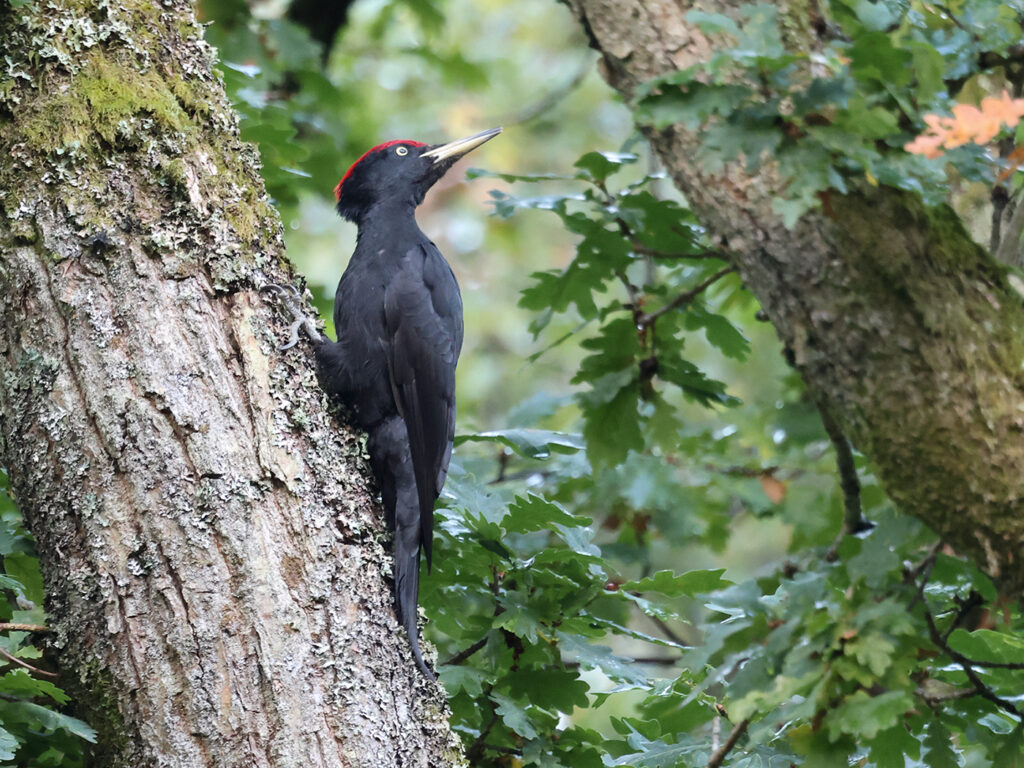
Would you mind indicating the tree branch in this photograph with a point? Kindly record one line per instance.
(974, 600)
(820, 283)
(548, 101)
(667, 630)
(654, 253)
(464, 654)
(966, 664)
(683, 298)
(16, 627)
(853, 515)
(937, 698)
(26, 665)
(719, 755)
(476, 750)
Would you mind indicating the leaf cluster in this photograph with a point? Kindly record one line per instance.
(647, 256)
(838, 110)
(34, 731)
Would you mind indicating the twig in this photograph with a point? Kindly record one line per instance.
(853, 514)
(639, 248)
(667, 631)
(504, 750)
(29, 667)
(952, 17)
(974, 599)
(924, 567)
(634, 298)
(654, 253)
(509, 477)
(715, 761)
(15, 627)
(462, 655)
(966, 664)
(476, 749)
(738, 470)
(503, 459)
(684, 298)
(665, 661)
(550, 100)
(937, 698)
(995, 664)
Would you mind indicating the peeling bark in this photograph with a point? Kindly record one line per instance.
(214, 555)
(902, 326)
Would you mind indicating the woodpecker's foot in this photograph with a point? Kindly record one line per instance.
(292, 299)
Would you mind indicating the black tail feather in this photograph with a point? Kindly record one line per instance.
(407, 582)
(389, 452)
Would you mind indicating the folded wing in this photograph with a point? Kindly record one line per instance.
(423, 319)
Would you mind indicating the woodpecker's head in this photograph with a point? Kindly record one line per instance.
(399, 171)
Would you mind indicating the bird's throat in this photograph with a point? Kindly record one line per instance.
(390, 222)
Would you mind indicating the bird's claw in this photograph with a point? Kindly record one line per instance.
(289, 295)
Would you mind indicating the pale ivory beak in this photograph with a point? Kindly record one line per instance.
(455, 149)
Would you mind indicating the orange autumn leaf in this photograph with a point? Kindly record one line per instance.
(968, 124)
(1013, 161)
(1010, 110)
(972, 124)
(926, 144)
(773, 488)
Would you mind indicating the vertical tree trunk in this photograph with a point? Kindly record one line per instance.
(899, 323)
(213, 552)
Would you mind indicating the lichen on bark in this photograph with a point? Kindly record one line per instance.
(213, 552)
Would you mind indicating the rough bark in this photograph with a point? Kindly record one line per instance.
(213, 553)
(903, 326)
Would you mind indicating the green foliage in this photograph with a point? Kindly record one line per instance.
(651, 250)
(842, 112)
(884, 654)
(33, 730)
(309, 126)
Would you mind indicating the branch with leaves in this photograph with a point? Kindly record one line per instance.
(968, 665)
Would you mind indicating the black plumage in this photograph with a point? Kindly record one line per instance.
(398, 316)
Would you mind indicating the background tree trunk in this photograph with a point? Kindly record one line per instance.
(213, 552)
(898, 322)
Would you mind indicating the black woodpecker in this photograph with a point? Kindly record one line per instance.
(398, 315)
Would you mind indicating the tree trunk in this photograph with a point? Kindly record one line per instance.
(213, 552)
(897, 321)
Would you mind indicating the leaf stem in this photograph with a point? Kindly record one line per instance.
(719, 755)
(683, 298)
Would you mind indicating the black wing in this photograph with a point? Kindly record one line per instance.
(423, 319)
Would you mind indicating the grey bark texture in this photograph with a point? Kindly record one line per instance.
(214, 554)
(897, 321)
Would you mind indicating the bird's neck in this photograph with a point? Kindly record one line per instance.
(389, 219)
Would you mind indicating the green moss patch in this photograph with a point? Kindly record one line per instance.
(103, 98)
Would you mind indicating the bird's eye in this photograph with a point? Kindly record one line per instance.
(401, 151)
